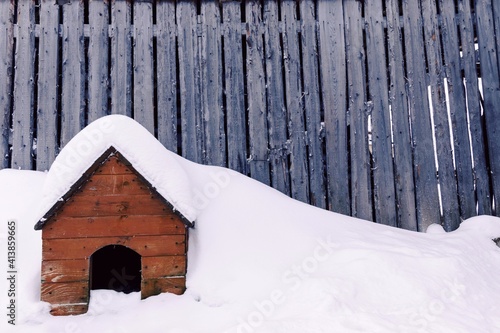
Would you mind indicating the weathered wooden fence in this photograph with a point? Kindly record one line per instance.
(388, 110)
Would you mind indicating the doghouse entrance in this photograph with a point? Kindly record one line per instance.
(115, 267)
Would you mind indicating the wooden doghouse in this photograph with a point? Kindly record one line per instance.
(111, 230)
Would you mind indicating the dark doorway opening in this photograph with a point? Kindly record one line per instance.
(115, 267)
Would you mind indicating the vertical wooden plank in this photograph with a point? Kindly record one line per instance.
(212, 85)
(121, 58)
(333, 92)
(446, 171)
(496, 17)
(458, 111)
(361, 198)
(312, 104)
(234, 77)
(6, 74)
(276, 111)
(476, 123)
(98, 59)
(143, 66)
(403, 167)
(22, 118)
(491, 88)
(258, 163)
(189, 81)
(299, 180)
(47, 85)
(73, 71)
(166, 78)
(383, 173)
(427, 200)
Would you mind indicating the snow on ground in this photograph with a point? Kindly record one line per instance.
(262, 262)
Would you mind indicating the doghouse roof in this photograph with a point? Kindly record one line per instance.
(106, 136)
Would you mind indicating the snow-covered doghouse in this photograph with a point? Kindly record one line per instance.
(115, 214)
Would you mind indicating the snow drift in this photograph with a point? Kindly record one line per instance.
(259, 261)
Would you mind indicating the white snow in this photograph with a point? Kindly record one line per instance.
(158, 165)
(259, 261)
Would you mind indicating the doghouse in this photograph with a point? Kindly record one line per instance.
(111, 230)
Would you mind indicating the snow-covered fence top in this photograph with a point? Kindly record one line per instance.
(385, 110)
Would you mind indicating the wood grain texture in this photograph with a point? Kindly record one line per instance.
(403, 167)
(103, 185)
(121, 58)
(146, 246)
(212, 84)
(234, 88)
(276, 110)
(258, 162)
(22, 117)
(299, 173)
(65, 292)
(175, 285)
(162, 267)
(65, 270)
(446, 171)
(382, 162)
(73, 71)
(333, 73)
(496, 19)
(88, 206)
(426, 193)
(361, 189)
(98, 80)
(166, 74)
(47, 113)
(143, 99)
(69, 309)
(476, 119)
(312, 104)
(113, 166)
(458, 113)
(189, 81)
(491, 89)
(62, 226)
(6, 76)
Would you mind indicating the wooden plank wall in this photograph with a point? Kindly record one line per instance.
(6, 75)
(333, 74)
(24, 92)
(383, 190)
(401, 142)
(385, 110)
(47, 111)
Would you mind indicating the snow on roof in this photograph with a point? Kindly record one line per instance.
(146, 154)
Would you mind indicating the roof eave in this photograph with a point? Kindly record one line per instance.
(85, 176)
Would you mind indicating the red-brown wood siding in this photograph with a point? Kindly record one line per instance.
(114, 206)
